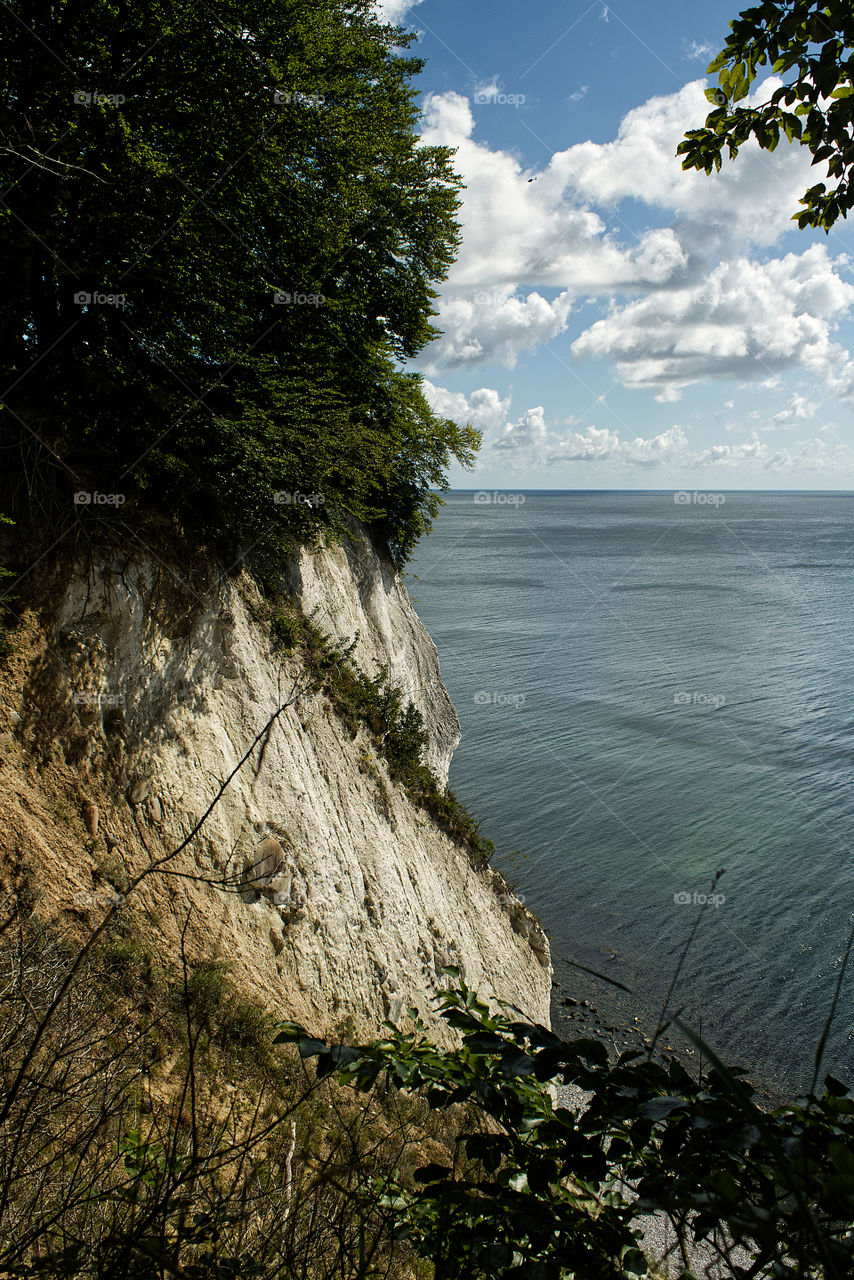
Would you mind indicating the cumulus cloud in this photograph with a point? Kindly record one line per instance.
(529, 433)
(702, 298)
(484, 408)
(395, 10)
(519, 233)
(746, 320)
(495, 325)
(531, 442)
(532, 248)
(748, 203)
(813, 454)
(604, 445)
(799, 409)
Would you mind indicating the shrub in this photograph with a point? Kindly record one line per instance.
(397, 729)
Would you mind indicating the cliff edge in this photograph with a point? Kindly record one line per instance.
(133, 693)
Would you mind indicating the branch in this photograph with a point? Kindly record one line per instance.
(65, 164)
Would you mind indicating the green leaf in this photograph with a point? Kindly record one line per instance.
(634, 1262)
(660, 1108)
(309, 1048)
(432, 1173)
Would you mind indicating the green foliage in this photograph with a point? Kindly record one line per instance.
(555, 1193)
(398, 733)
(286, 630)
(245, 192)
(810, 44)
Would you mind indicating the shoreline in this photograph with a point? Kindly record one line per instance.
(586, 1007)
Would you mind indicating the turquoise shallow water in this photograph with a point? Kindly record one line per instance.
(650, 691)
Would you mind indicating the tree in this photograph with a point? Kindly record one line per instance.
(810, 44)
(219, 236)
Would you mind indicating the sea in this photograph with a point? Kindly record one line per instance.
(656, 695)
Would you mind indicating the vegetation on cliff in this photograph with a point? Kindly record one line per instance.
(394, 722)
(219, 238)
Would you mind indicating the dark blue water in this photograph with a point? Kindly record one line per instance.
(650, 692)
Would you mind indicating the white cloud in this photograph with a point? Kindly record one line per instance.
(797, 410)
(807, 455)
(493, 324)
(529, 432)
(750, 202)
(745, 320)
(484, 408)
(518, 233)
(486, 91)
(603, 445)
(696, 50)
(703, 298)
(731, 455)
(533, 444)
(526, 234)
(394, 10)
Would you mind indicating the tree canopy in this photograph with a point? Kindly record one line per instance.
(219, 236)
(810, 45)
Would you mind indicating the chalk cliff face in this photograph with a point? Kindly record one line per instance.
(130, 701)
(350, 592)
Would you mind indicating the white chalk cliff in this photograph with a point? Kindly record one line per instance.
(131, 699)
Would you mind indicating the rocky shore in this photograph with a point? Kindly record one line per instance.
(584, 1006)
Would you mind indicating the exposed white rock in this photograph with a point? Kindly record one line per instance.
(315, 875)
(349, 591)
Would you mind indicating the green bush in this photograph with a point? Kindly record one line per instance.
(550, 1193)
(398, 733)
(286, 630)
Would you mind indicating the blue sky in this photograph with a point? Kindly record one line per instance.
(611, 321)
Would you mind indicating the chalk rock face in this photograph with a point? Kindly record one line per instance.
(331, 894)
(349, 590)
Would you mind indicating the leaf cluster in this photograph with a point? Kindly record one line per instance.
(545, 1191)
(810, 45)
